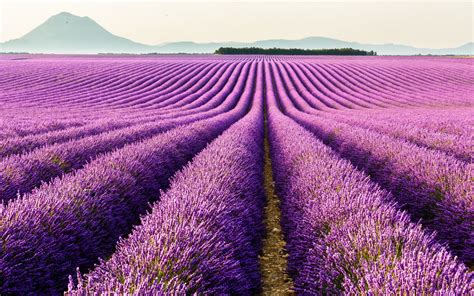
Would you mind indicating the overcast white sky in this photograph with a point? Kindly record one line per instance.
(433, 24)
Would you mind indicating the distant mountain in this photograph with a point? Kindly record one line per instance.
(313, 43)
(67, 33)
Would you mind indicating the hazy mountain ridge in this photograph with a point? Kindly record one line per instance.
(67, 33)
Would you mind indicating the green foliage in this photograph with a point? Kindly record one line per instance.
(293, 51)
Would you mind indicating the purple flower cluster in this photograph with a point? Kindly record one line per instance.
(205, 234)
(77, 219)
(372, 159)
(429, 184)
(18, 145)
(343, 233)
(20, 174)
(458, 146)
(20, 129)
(452, 121)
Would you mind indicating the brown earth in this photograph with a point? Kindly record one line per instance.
(273, 261)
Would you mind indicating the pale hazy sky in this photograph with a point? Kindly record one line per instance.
(433, 24)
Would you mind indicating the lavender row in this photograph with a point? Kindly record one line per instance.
(20, 174)
(344, 78)
(344, 236)
(431, 186)
(428, 184)
(204, 236)
(388, 80)
(340, 87)
(21, 129)
(140, 88)
(174, 82)
(207, 84)
(77, 219)
(169, 86)
(460, 147)
(332, 88)
(18, 145)
(382, 83)
(344, 87)
(451, 121)
(351, 83)
(55, 160)
(73, 83)
(344, 84)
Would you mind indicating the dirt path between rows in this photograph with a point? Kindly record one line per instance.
(273, 261)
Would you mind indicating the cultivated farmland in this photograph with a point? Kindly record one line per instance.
(151, 174)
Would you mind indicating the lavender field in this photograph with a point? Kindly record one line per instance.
(149, 175)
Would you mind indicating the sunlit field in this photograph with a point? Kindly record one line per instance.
(154, 174)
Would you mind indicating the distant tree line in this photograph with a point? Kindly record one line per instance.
(294, 51)
(14, 52)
